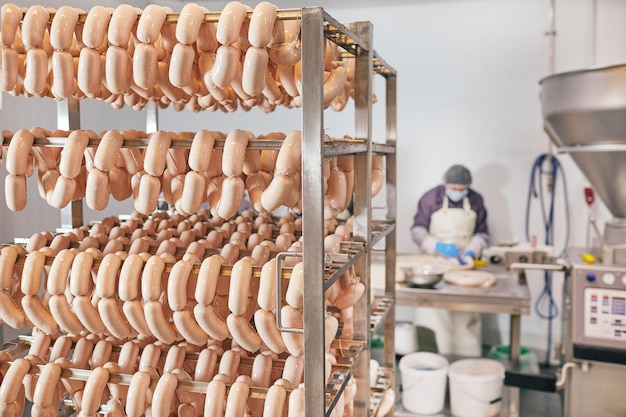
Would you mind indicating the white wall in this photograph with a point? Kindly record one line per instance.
(468, 92)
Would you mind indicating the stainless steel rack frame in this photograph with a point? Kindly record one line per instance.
(356, 39)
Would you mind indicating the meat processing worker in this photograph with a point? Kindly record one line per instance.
(451, 220)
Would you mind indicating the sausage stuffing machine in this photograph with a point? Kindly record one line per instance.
(585, 116)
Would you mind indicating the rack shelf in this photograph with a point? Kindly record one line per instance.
(381, 229)
(384, 381)
(380, 308)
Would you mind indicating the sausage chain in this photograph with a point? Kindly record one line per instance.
(79, 171)
(71, 273)
(139, 398)
(98, 312)
(122, 60)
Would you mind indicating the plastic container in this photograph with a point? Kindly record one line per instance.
(423, 376)
(527, 359)
(476, 387)
(406, 338)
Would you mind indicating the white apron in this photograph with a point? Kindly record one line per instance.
(456, 332)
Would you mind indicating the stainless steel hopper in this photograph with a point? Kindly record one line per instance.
(585, 115)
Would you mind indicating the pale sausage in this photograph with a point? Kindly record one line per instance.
(36, 77)
(189, 328)
(34, 26)
(87, 314)
(262, 24)
(177, 285)
(230, 22)
(211, 322)
(243, 333)
(254, 70)
(121, 25)
(150, 23)
(106, 277)
(158, 324)
(156, 152)
(234, 153)
(11, 16)
(113, 319)
(18, 152)
(265, 323)
(129, 278)
(95, 27)
(207, 279)
(189, 22)
(201, 149)
(239, 289)
(63, 314)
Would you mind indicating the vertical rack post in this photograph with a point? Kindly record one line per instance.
(68, 118)
(363, 204)
(389, 356)
(152, 117)
(313, 199)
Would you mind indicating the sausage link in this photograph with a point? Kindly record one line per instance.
(158, 324)
(38, 315)
(106, 277)
(211, 322)
(113, 318)
(243, 333)
(265, 323)
(63, 314)
(239, 288)
(94, 388)
(133, 311)
(87, 314)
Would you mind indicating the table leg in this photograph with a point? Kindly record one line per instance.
(514, 358)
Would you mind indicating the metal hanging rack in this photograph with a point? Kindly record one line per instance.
(355, 39)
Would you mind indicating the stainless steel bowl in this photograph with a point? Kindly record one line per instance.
(423, 277)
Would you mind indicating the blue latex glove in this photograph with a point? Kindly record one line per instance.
(448, 249)
(468, 256)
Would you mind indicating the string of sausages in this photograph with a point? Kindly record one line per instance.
(187, 178)
(128, 56)
(131, 298)
(149, 378)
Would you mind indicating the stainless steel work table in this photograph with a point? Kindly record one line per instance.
(509, 295)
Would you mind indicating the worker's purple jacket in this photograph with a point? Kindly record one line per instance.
(432, 201)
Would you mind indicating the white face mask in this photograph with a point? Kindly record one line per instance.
(456, 196)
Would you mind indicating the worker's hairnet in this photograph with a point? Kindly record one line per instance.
(458, 174)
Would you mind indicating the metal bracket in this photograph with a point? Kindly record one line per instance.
(279, 292)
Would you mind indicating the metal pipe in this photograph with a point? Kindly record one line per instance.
(594, 29)
(312, 198)
(552, 34)
(551, 49)
(68, 118)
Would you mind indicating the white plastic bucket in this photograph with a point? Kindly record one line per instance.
(476, 387)
(423, 382)
(406, 338)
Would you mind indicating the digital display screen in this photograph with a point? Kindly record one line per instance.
(618, 306)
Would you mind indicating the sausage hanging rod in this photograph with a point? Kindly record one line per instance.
(339, 373)
(335, 264)
(346, 346)
(210, 17)
(334, 30)
(182, 143)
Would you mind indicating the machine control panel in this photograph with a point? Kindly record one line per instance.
(599, 306)
(605, 314)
